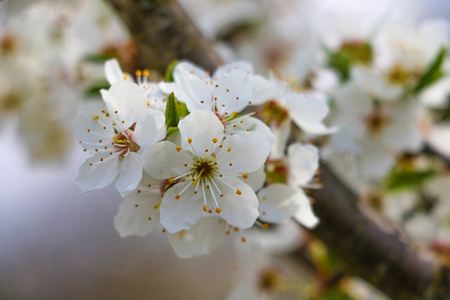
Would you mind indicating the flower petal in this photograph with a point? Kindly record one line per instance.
(98, 175)
(113, 72)
(201, 127)
(139, 212)
(243, 152)
(233, 92)
(278, 202)
(127, 99)
(239, 209)
(255, 179)
(130, 173)
(305, 214)
(307, 112)
(248, 123)
(303, 163)
(162, 160)
(180, 214)
(150, 128)
(204, 236)
(241, 66)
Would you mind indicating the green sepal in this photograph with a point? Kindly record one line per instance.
(433, 73)
(169, 71)
(171, 130)
(172, 112)
(183, 109)
(97, 58)
(399, 180)
(94, 89)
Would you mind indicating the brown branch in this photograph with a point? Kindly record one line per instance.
(372, 250)
(163, 32)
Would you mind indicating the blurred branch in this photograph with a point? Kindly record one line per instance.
(372, 250)
(163, 32)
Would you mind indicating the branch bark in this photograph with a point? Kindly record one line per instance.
(163, 32)
(371, 249)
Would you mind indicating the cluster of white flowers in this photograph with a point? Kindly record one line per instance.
(196, 168)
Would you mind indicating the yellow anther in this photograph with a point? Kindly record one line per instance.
(138, 73)
(238, 191)
(218, 210)
(245, 176)
(95, 117)
(177, 197)
(125, 77)
(236, 228)
(189, 140)
(205, 208)
(214, 140)
(229, 149)
(265, 226)
(171, 180)
(146, 73)
(178, 148)
(243, 239)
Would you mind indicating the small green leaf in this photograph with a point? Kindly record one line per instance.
(433, 73)
(97, 58)
(183, 109)
(406, 179)
(169, 71)
(171, 130)
(94, 89)
(172, 112)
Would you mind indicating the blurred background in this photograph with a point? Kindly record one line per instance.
(58, 244)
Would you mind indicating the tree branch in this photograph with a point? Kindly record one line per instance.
(164, 32)
(371, 249)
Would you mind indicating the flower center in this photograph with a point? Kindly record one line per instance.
(269, 280)
(399, 75)
(376, 121)
(8, 44)
(124, 144)
(274, 111)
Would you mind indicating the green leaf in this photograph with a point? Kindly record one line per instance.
(433, 73)
(169, 71)
(171, 130)
(183, 109)
(406, 179)
(94, 89)
(97, 58)
(172, 112)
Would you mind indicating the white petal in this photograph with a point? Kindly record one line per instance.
(113, 72)
(192, 86)
(162, 160)
(99, 175)
(127, 99)
(241, 66)
(307, 112)
(201, 127)
(247, 152)
(256, 179)
(233, 92)
(181, 214)
(238, 210)
(282, 134)
(303, 163)
(90, 124)
(248, 123)
(150, 128)
(305, 214)
(206, 235)
(263, 90)
(130, 173)
(139, 212)
(277, 203)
